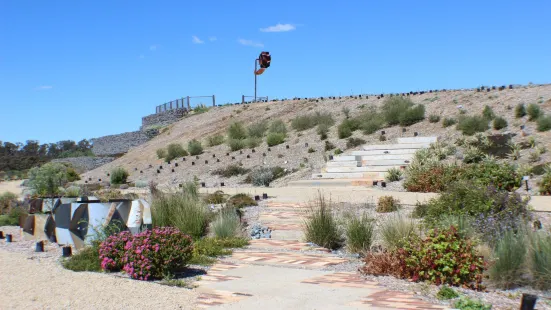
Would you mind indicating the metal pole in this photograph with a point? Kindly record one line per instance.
(255, 68)
(213, 101)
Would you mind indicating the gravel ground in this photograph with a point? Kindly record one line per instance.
(31, 280)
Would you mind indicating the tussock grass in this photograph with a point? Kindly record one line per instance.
(510, 253)
(321, 225)
(226, 223)
(396, 231)
(360, 232)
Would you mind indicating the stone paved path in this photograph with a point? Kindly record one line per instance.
(284, 273)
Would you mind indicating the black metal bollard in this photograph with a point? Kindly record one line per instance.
(383, 184)
(306, 144)
(213, 155)
(158, 171)
(196, 157)
(218, 160)
(227, 154)
(8, 238)
(383, 132)
(287, 146)
(39, 246)
(528, 302)
(66, 251)
(264, 196)
(172, 170)
(415, 134)
(1, 234)
(203, 184)
(175, 164)
(248, 156)
(257, 198)
(264, 154)
(375, 183)
(222, 184)
(269, 149)
(233, 157)
(206, 162)
(330, 157)
(108, 174)
(141, 171)
(252, 151)
(193, 163)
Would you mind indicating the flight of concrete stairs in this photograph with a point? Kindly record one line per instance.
(369, 164)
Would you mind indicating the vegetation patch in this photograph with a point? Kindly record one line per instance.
(230, 171)
(321, 225)
(194, 147)
(119, 175)
(387, 204)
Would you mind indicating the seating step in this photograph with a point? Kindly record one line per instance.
(383, 169)
(331, 183)
(348, 175)
(404, 146)
(417, 140)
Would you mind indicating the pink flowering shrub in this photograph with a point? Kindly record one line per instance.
(151, 254)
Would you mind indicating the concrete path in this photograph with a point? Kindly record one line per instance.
(285, 273)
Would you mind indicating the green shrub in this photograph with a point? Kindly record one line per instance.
(430, 176)
(420, 210)
(7, 199)
(472, 155)
(237, 131)
(257, 129)
(230, 171)
(86, 259)
(200, 109)
(499, 123)
(534, 112)
(72, 191)
(11, 218)
(175, 150)
(470, 125)
(360, 232)
(47, 179)
(396, 231)
(303, 122)
(387, 204)
(262, 176)
(433, 118)
(278, 126)
(338, 151)
(217, 197)
(194, 147)
(372, 125)
(346, 112)
(329, 146)
(241, 200)
(226, 224)
(393, 175)
(323, 130)
(510, 253)
(447, 122)
(72, 175)
(354, 142)
(544, 123)
(215, 140)
(412, 115)
(466, 303)
(141, 184)
(545, 182)
(236, 144)
(183, 210)
(344, 130)
(311, 150)
(394, 107)
(321, 227)
(119, 175)
(501, 175)
(161, 153)
(539, 261)
(488, 113)
(520, 110)
(443, 257)
(275, 138)
(253, 142)
(206, 248)
(446, 292)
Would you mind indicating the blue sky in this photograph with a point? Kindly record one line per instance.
(83, 69)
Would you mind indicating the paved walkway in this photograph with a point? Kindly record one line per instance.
(285, 273)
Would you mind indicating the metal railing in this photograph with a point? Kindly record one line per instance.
(182, 103)
(258, 99)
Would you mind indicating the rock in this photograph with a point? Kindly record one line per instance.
(123, 186)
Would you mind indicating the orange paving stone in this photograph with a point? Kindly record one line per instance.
(283, 226)
(288, 258)
(212, 298)
(284, 244)
(397, 300)
(343, 279)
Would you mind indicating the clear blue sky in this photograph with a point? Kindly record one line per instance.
(83, 69)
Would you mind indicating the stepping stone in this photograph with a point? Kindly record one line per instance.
(287, 258)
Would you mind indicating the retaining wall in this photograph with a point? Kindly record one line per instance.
(164, 118)
(83, 164)
(118, 144)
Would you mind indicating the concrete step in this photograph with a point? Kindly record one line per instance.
(358, 169)
(331, 183)
(341, 164)
(389, 147)
(414, 140)
(383, 156)
(348, 175)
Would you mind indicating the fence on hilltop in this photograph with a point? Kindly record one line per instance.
(182, 103)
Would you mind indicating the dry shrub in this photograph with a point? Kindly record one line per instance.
(382, 264)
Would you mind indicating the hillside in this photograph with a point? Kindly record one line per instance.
(216, 120)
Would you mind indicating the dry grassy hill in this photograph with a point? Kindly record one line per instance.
(217, 120)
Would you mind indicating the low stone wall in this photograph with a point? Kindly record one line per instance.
(118, 144)
(163, 118)
(83, 164)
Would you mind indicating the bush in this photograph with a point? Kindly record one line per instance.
(278, 126)
(338, 151)
(86, 259)
(236, 144)
(393, 175)
(372, 125)
(412, 115)
(47, 179)
(72, 175)
(217, 197)
(396, 231)
(226, 224)
(545, 183)
(119, 175)
(215, 140)
(382, 263)
(72, 191)
(152, 254)
(237, 131)
(257, 129)
(241, 200)
(394, 107)
(194, 147)
(465, 303)
(354, 142)
(470, 125)
(230, 171)
(510, 253)
(387, 204)
(161, 153)
(499, 123)
(329, 146)
(253, 142)
(206, 248)
(540, 260)
(183, 210)
(344, 130)
(311, 150)
(305, 122)
(175, 150)
(323, 130)
(262, 176)
(275, 138)
(321, 227)
(430, 176)
(7, 199)
(420, 210)
(360, 232)
(447, 122)
(443, 257)
(488, 113)
(520, 110)
(433, 118)
(11, 218)
(503, 176)
(534, 112)
(544, 123)
(200, 109)
(446, 292)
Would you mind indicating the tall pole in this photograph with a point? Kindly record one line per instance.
(255, 68)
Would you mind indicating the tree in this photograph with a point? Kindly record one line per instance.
(47, 180)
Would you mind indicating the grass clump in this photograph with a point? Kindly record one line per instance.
(305, 122)
(499, 123)
(345, 129)
(488, 113)
(360, 232)
(161, 153)
(393, 175)
(206, 249)
(520, 110)
(236, 144)
(241, 200)
(119, 175)
(396, 231)
(469, 125)
(252, 142)
(354, 142)
(387, 204)
(544, 123)
(11, 217)
(194, 147)
(175, 150)
(7, 199)
(237, 131)
(446, 293)
(230, 171)
(257, 130)
(329, 146)
(226, 223)
(534, 112)
(433, 118)
(466, 303)
(72, 191)
(217, 197)
(278, 126)
(539, 261)
(323, 130)
(448, 121)
(321, 226)
(510, 253)
(87, 259)
(275, 138)
(412, 115)
(215, 140)
(394, 107)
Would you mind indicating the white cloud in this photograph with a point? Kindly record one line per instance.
(279, 28)
(44, 87)
(212, 39)
(196, 40)
(250, 43)
(153, 47)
